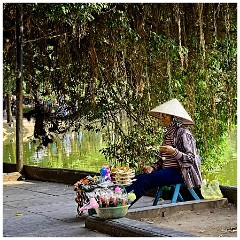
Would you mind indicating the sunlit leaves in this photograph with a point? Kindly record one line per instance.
(138, 63)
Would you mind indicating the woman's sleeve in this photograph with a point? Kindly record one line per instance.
(186, 148)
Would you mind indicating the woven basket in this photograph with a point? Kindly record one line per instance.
(124, 177)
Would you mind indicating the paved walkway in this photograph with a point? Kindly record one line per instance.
(42, 209)
(46, 209)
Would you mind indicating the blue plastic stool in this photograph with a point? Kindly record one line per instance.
(176, 194)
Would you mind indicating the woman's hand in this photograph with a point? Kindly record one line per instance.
(167, 149)
(147, 169)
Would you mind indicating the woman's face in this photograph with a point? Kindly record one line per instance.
(165, 119)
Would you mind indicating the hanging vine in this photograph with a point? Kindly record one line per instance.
(113, 62)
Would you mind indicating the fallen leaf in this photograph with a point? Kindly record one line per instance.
(150, 222)
(232, 229)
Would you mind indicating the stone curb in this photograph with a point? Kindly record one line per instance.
(125, 227)
(166, 209)
(130, 227)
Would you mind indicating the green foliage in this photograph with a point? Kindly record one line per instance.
(112, 63)
(221, 152)
(9, 83)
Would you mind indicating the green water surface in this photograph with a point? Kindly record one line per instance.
(80, 151)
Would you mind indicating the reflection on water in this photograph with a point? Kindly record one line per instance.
(228, 174)
(80, 151)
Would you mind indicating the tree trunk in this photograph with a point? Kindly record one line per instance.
(8, 109)
(19, 89)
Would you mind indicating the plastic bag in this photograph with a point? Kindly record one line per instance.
(211, 190)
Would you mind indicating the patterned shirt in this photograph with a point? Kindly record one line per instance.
(170, 160)
(186, 156)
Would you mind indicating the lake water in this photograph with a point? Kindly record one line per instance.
(228, 174)
(80, 151)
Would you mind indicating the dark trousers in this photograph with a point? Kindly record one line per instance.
(157, 178)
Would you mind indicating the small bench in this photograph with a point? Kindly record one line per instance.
(176, 194)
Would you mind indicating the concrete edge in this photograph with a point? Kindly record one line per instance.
(71, 176)
(125, 227)
(61, 175)
(130, 227)
(166, 209)
(230, 193)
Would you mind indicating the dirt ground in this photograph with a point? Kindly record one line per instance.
(217, 222)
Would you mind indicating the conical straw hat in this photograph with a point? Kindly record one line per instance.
(172, 107)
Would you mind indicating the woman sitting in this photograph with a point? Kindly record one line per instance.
(178, 160)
